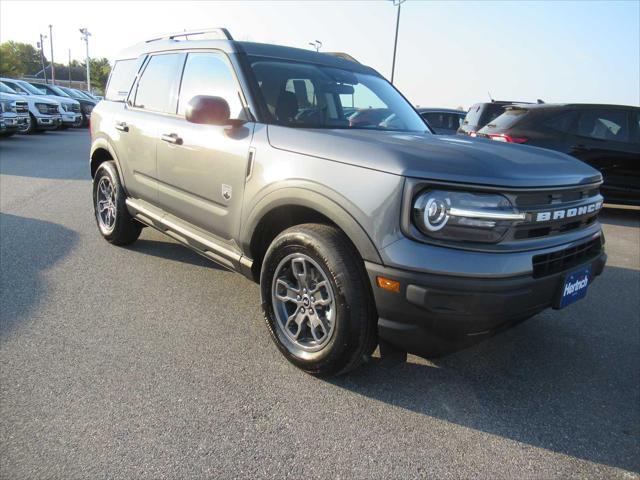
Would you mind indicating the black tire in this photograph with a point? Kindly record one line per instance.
(125, 229)
(354, 334)
(33, 125)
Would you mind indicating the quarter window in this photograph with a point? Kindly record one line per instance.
(604, 125)
(561, 122)
(209, 74)
(156, 88)
(122, 77)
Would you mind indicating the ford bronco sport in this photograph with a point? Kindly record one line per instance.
(358, 234)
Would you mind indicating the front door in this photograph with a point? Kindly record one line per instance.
(202, 168)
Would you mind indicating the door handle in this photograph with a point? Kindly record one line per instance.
(172, 138)
(122, 126)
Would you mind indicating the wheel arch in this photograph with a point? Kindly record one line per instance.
(288, 207)
(102, 151)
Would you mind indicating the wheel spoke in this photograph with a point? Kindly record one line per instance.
(322, 302)
(299, 269)
(291, 291)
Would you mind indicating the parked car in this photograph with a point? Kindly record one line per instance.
(86, 104)
(607, 137)
(357, 236)
(18, 120)
(482, 113)
(443, 121)
(369, 117)
(65, 105)
(44, 114)
(72, 114)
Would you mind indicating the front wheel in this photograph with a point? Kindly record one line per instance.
(317, 301)
(114, 221)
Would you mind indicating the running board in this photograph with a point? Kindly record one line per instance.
(193, 240)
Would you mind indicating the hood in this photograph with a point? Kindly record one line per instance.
(13, 97)
(64, 100)
(442, 158)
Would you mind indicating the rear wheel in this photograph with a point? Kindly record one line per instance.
(114, 221)
(317, 300)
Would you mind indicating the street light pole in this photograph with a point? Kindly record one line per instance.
(69, 68)
(85, 36)
(316, 44)
(41, 46)
(397, 3)
(53, 68)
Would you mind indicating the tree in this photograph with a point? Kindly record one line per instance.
(19, 59)
(99, 69)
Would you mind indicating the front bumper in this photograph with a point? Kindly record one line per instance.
(71, 119)
(48, 122)
(434, 314)
(10, 124)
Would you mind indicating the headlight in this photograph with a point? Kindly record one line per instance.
(461, 216)
(42, 107)
(66, 107)
(5, 106)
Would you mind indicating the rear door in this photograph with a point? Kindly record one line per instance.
(202, 168)
(604, 138)
(151, 100)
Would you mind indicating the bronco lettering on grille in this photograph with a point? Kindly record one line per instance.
(567, 212)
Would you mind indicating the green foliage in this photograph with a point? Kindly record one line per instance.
(99, 69)
(18, 59)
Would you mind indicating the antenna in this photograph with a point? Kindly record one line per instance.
(490, 97)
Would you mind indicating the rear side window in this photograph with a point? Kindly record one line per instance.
(209, 74)
(604, 125)
(156, 89)
(473, 115)
(561, 122)
(122, 77)
(449, 121)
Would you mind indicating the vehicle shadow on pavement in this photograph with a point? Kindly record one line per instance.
(171, 251)
(564, 381)
(28, 247)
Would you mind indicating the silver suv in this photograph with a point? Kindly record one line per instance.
(359, 233)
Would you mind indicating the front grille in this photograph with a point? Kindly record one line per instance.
(52, 109)
(21, 107)
(551, 201)
(550, 263)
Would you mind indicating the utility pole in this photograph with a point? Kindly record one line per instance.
(85, 36)
(41, 47)
(69, 68)
(53, 68)
(397, 3)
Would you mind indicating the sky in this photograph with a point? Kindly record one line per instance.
(450, 53)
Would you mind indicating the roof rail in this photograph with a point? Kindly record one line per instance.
(201, 31)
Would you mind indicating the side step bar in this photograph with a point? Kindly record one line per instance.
(204, 246)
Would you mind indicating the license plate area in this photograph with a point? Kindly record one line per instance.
(574, 287)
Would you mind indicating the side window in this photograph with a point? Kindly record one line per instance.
(156, 87)
(604, 125)
(304, 92)
(561, 122)
(435, 119)
(209, 74)
(122, 77)
(636, 121)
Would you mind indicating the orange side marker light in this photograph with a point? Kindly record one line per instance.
(388, 284)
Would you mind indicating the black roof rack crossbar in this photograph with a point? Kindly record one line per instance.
(201, 31)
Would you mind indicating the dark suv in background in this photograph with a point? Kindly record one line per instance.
(606, 137)
(443, 121)
(482, 113)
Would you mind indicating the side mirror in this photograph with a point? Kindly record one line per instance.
(208, 110)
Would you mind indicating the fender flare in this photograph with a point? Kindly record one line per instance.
(313, 200)
(104, 144)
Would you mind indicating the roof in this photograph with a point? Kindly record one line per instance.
(174, 42)
(549, 106)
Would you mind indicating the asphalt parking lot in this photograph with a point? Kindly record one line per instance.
(150, 362)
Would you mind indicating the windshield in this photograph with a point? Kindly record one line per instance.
(315, 96)
(57, 91)
(5, 89)
(72, 93)
(30, 88)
